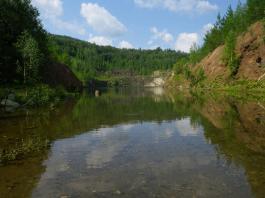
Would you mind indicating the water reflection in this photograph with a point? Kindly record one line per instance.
(139, 143)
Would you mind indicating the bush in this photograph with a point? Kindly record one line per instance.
(41, 95)
(198, 77)
(61, 92)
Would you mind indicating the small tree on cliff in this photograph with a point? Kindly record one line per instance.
(230, 57)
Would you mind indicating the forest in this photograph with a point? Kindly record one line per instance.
(88, 60)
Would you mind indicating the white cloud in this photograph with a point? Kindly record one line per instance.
(49, 8)
(52, 10)
(179, 5)
(101, 20)
(71, 27)
(185, 41)
(147, 3)
(163, 35)
(125, 45)
(206, 28)
(204, 6)
(100, 40)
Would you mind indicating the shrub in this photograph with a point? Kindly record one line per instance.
(198, 77)
(41, 95)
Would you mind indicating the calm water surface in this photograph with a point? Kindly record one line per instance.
(137, 143)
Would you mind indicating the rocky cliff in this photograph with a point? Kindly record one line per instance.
(250, 50)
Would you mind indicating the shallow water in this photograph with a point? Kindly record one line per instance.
(136, 143)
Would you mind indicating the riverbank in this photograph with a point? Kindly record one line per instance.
(14, 97)
(240, 89)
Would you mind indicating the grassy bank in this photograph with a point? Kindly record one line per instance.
(237, 88)
(36, 95)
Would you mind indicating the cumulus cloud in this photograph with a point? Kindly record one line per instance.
(163, 35)
(101, 20)
(185, 41)
(49, 8)
(100, 40)
(179, 5)
(52, 10)
(125, 45)
(204, 6)
(68, 26)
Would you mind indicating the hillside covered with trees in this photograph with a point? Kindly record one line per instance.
(226, 32)
(26, 48)
(88, 60)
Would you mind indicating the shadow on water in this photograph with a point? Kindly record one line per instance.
(136, 143)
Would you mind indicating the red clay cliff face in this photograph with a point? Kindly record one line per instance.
(250, 49)
(57, 74)
(213, 65)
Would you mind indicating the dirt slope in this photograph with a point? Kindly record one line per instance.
(250, 48)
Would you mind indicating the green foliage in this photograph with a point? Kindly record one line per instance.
(187, 73)
(229, 56)
(16, 17)
(180, 66)
(40, 95)
(197, 77)
(31, 56)
(24, 148)
(255, 10)
(61, 92)
(89, 60)
(194, 55)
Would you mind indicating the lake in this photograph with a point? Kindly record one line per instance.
(136, 143)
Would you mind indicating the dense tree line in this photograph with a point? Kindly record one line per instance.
(89, 60)
(224, 32)
(23, 42)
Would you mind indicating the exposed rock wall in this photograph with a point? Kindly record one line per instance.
(250, 49)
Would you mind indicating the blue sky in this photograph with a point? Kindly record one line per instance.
(174, 24)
